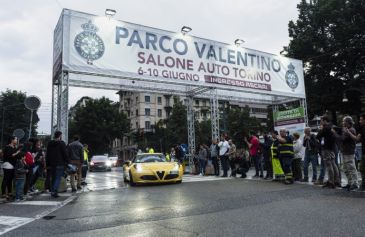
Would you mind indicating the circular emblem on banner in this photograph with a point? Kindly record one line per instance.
(291, 77)
(88, 44)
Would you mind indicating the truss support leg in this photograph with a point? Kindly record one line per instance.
(60, 92)
(191, 131)
(214, 114)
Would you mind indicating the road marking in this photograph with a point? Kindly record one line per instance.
(191, 179)
(14, 220)
(17, 222)
(37, 203)
(60, 194)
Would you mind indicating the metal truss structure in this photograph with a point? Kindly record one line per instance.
(60, 93)
(66, 79)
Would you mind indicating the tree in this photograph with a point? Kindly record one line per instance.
(329, 36)
(98, 122)
(240, 124)
(203, 132)
(16, 116)
(176, 125)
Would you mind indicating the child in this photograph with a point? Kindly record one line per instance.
(20, 172)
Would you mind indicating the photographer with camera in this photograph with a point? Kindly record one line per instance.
(328, 147)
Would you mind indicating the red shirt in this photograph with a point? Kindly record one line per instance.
(29, 158)
(255, 145)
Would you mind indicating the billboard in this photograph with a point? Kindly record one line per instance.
(102, 46)
(292, 120)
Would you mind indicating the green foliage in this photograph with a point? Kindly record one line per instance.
(176, 125)
(203, 132)
(16, 116)
(240, 124)
(329, 36)
(98, 123)
(166, 133)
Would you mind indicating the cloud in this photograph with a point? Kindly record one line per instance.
(26, 34)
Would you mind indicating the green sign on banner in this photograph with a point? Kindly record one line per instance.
(289, 114)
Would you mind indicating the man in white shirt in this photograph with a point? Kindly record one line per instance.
(223, 154)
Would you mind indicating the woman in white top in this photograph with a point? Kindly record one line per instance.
(298, 156)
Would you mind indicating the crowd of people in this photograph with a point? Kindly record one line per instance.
(285, 157)
(24, 164)
(279, 156)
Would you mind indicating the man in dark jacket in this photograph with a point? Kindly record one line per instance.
(56, 160)
(76, 156)
(266, 152)
(311, 145)
(328, 142)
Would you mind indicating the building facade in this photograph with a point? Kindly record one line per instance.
(146, 109)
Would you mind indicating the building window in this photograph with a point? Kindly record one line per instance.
(136, 112)
(137, 125)
(147, 124)
(136, 99)
(147, 112)
(159, 113)
(204, 114)
(147, 98)
(197, 102)
(197, 115)
(159, 100)
(204, 103)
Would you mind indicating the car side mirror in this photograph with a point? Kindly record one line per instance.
(128, 163)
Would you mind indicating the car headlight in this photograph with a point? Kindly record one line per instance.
(91, 163)
(108, 163)
(175, 170)
(138, 167)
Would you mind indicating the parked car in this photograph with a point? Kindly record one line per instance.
(100, 163)
(114, 160)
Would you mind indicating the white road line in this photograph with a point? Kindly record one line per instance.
(37, 203)
(60, 194)
(190, 179)
(41, 215)
(13, 220)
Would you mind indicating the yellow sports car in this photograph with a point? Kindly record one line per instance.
(152, 168)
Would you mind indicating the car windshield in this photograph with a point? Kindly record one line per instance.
(148, 158)
(99, 158)
(113, 158)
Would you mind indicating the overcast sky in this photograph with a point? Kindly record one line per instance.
(26, 34)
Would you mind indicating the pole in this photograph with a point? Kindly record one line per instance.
(30, 125)
(2, 127)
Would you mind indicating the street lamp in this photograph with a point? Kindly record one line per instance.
(110, 13)
(239, 42)
(185, 30)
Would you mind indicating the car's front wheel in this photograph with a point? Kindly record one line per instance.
(179, 182)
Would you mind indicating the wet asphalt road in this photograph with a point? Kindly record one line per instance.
(220, 207)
